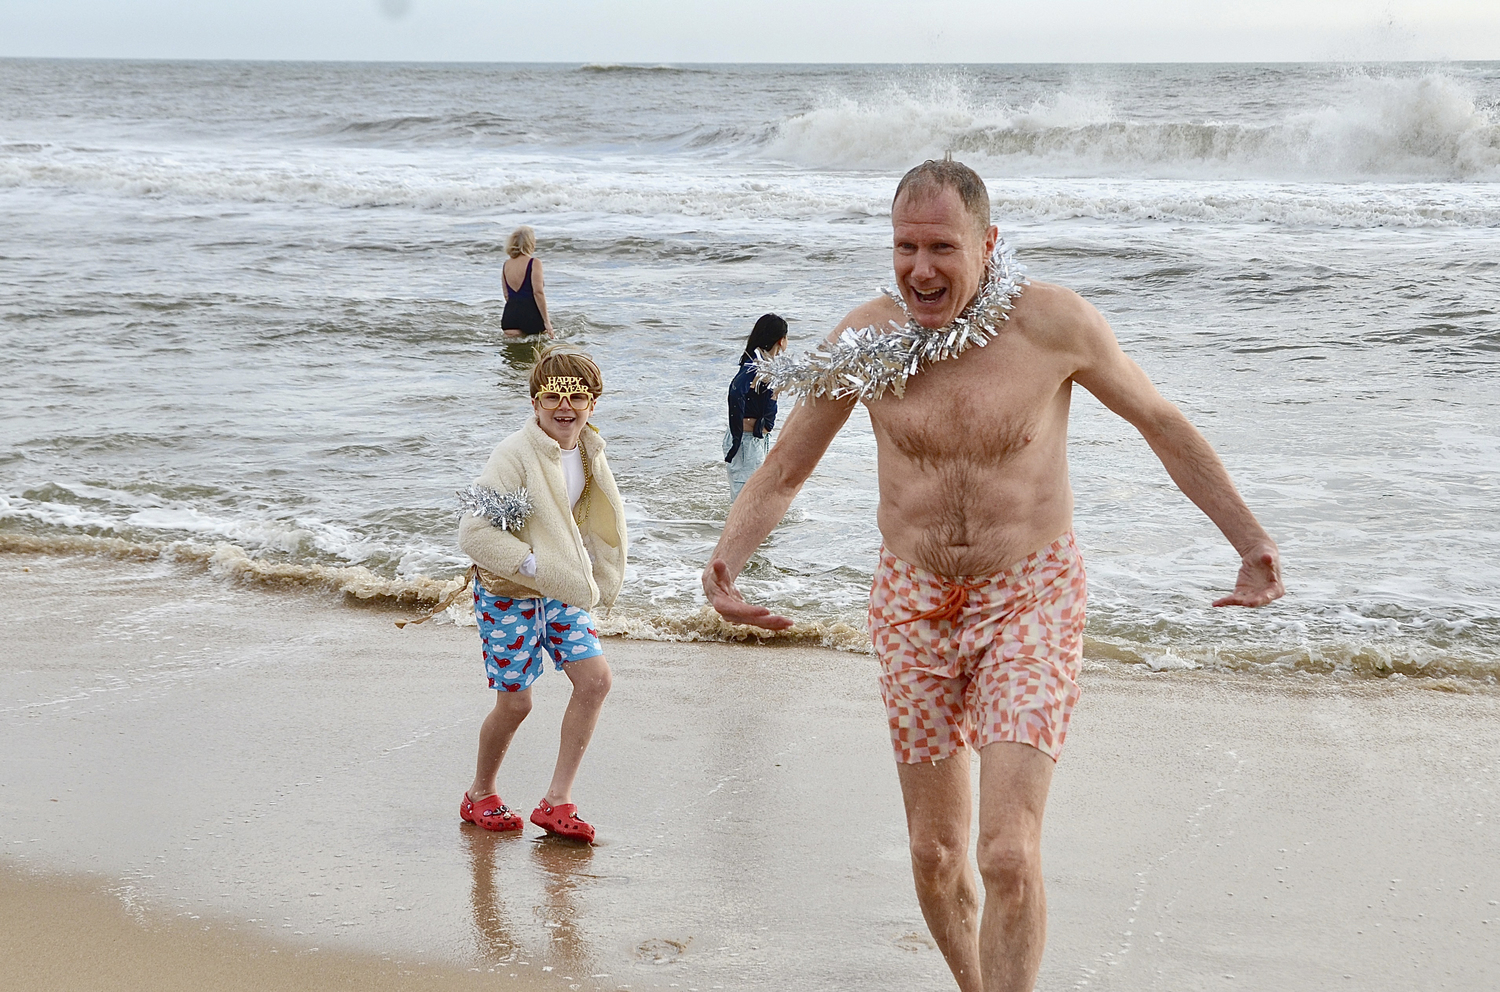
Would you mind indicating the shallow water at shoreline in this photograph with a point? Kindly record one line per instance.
(1442, 664)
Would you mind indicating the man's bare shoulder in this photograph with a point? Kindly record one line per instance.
(1053, 304)
(1058, 318)
(874, 313)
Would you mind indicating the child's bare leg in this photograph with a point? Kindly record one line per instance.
(494, 739)
(591, 681)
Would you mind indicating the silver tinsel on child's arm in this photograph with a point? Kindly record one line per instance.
(508, 511)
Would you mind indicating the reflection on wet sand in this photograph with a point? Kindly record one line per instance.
(499, 868)
(564, 866)
(494, 936)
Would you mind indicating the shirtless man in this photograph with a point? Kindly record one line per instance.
(977, 606)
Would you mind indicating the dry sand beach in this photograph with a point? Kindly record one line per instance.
(202, 784)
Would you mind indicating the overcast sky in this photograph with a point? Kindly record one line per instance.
(656, 31)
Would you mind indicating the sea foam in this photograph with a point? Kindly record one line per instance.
(1357, 657)
(1416, 128)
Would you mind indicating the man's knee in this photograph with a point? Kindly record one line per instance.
(938, 854)
(1009, 863)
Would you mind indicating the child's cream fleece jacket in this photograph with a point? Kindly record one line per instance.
(581, 565)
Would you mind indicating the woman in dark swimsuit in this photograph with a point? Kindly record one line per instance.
(525, 304)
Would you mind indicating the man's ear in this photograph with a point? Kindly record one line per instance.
(991, 238)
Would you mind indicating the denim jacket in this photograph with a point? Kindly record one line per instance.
(746, 400)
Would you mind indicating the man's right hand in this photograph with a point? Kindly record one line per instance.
(1259, 581)
(718, 586)
(808, 431)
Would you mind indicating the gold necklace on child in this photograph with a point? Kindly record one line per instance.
(581, 508)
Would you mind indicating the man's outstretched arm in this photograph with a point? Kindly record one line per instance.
(764, 501)
(1121, 385)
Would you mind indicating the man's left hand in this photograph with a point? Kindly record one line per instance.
(1259, 581)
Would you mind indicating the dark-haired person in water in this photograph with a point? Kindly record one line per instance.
(752, 408)
(977, 606)
(525, 303)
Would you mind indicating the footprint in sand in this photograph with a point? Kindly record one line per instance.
(915, 942)
(659, 950)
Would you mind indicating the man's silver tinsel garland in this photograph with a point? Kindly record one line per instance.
(508, 511)
(863, 363)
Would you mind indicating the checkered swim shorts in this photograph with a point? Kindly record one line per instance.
(516, 636)
(980, 659)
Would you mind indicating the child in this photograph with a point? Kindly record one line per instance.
(752, 408)
(534, 584)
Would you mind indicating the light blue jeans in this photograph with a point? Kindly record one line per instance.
(752, 452)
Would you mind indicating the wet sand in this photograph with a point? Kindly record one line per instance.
(207, 778)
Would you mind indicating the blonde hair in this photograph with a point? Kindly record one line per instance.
(558, 359)
(522, 241)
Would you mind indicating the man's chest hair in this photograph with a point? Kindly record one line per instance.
(982, 412)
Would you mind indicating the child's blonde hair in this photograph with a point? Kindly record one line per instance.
(558, 359)
(522, 241)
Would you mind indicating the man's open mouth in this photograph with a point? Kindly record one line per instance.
(929, 296)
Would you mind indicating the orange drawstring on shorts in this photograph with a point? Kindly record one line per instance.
(949, 608)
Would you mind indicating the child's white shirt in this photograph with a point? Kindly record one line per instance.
(572, 469)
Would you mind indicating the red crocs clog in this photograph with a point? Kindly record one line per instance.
(562, 820)
(491, 813)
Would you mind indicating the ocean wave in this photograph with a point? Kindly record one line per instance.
(414, 128)
(1428, 665)
(706, 625)
(234, 563)
(1350, 657)
(316, 184)
(1312, 205)
(755, 200)
(1405, 129)
(1363, 659)
(626, 69)
(94, 508)
(408, 132)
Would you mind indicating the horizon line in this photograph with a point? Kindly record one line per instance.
(672, 64)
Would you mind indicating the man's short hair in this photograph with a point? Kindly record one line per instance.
(933, 176)
(558, 359)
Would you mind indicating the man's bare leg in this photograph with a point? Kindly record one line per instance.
(938, 797)
(1013, 784)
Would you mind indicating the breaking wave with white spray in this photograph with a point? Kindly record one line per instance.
(1426, 128)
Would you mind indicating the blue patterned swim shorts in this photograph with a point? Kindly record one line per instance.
(517, 634)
